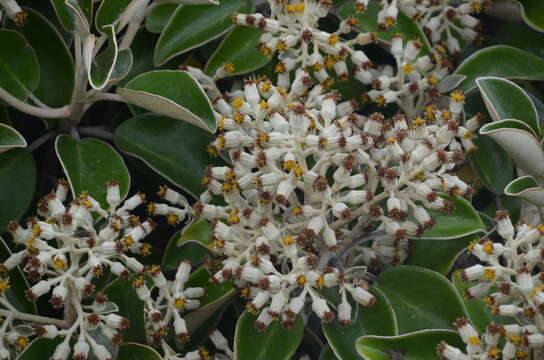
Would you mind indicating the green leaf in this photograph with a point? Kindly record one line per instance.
(368, 22)
(10, 138)
(532, 13)
(194, 25)
(526, 188)
(464, 220)
(56, 64)
(491, 164)
(173, 148)
(38, 348)
(16, 295)
(238, 48)
(501, 61)
(191, 244)
(19, 68)
(157, 19)
(110, 11)
(437, 255)
(89, 164)
(135, 351)
(100, 69)
(421, 298)
(121, 292)
(65, 12)
(122, 65)
(275, 343)
(17, 184)
(327, 353)
(477, 310)
(376, 320)
(517, 140)
(521, 37)
(506, 100)
(419, 345)
(172, 93)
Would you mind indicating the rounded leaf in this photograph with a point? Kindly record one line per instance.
(275, 343)
(10, 138)
(506, 100)
(532, 13)
(194, 25)
(464, 220)
(327, 353)
(502, 61)
(491, 164)
(173, 148)
(418, 345)
(189, 244)
(522, 37)
(421, 298)
(38, 348)
(17, 184)
(55, 61)
(376, 320)
(519, 142)
(19, 68)
(238, 48)
(526, 188)
(157, 19)
(100, 68)
(109, 12)
(172, 93)
(89, 164)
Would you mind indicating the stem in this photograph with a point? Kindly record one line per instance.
(33, 110)
(41, 140)
(107, 97)
(80, 88)
(36, 318)
(97, 131)
(346, 246)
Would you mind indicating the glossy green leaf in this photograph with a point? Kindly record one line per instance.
(172, 93)
(10, 138)
(275, 343)
(419, 345)
(437, 255)
(464, 220)
(135, 351)
(56, 64)
(501, 61)
(368, 22)
(521, 37)
(189, 244)
(506, 100)
(100, 69)
(194, 25)
(16, 295)
(121, 292)
(157, 19)
(173, 148)
(519, 142)
(89, 164)
(327, 353)
(38, 348)
(66, 14)
(491, 164)
(376, 320)
(526, 188)
(122, 67)
(478, 312)
(17, 184)
(109, 12)
(238, 48)
(532, 13)
(81, 13)
(421, 298)
(19, 68)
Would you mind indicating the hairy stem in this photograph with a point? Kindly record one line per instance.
(34, 110)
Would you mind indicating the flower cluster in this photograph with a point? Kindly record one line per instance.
(67, 247)
(292, 31)
(440, 19)
(310, 179)
(511, 283)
